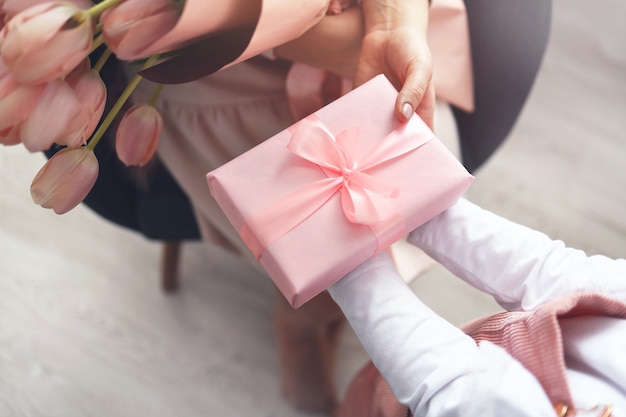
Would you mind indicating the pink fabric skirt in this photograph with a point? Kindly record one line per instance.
(213, 120)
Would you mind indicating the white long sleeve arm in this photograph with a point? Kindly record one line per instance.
(430, 365)
(520, 267)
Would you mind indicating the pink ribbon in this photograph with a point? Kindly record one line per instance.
(365, 200)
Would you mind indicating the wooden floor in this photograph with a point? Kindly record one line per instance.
(85, 331)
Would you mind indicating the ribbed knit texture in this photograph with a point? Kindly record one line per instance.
(534, 337)
(369, 395)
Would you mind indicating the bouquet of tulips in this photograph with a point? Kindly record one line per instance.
(50, 93)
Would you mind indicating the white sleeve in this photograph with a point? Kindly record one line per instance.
(520, 267)
(430, 365)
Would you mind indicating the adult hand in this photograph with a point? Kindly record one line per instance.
(395, 45)
(333, 44)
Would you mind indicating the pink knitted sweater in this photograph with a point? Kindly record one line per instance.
(534, 337)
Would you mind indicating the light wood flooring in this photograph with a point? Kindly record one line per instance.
(85, 330)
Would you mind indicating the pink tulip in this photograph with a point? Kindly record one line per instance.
(17, 106)
(12, 7)
(46, 41)
(3, 14)
(8, 83)
(65, 112)
(51, 116)
(131, 26)
(10, 137)
(65, 180)
(92, 93)
(138, 134)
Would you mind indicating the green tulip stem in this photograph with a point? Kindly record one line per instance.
(98, 40)
(102, 60)
(99, 8)
(118, 105)
(155, 95)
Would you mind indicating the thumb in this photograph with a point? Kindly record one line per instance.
(426, 108)
(416, 88)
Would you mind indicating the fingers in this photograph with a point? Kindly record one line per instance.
(426, 108)
(403, 56)
(415, 79)
(416, 98)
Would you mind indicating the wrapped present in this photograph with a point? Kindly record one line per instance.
(332, 190)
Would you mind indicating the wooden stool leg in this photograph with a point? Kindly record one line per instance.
(169, 265)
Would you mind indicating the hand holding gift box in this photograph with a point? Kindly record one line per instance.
(329, 192)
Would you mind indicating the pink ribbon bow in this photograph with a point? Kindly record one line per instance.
(365, 200)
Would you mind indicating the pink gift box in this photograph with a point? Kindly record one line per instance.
(321, 197)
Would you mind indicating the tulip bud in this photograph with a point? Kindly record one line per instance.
(133, 25)
(13, 7)
(65, 180)
(138, 135)
(92, 93)
(46, 41)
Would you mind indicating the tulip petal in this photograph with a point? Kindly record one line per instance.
(16, 106)
(57, 106)
(54, 60)
(31, 29)
(65, 180)
(10, 137)
(37, 46)
(138, 135)
(92, 93)
(134, 10)
(145, 33)
(133, 24)
(13, 7)
(8, 83)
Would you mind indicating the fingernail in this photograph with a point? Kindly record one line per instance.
(407, 111)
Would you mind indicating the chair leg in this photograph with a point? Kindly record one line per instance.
(169, 265)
